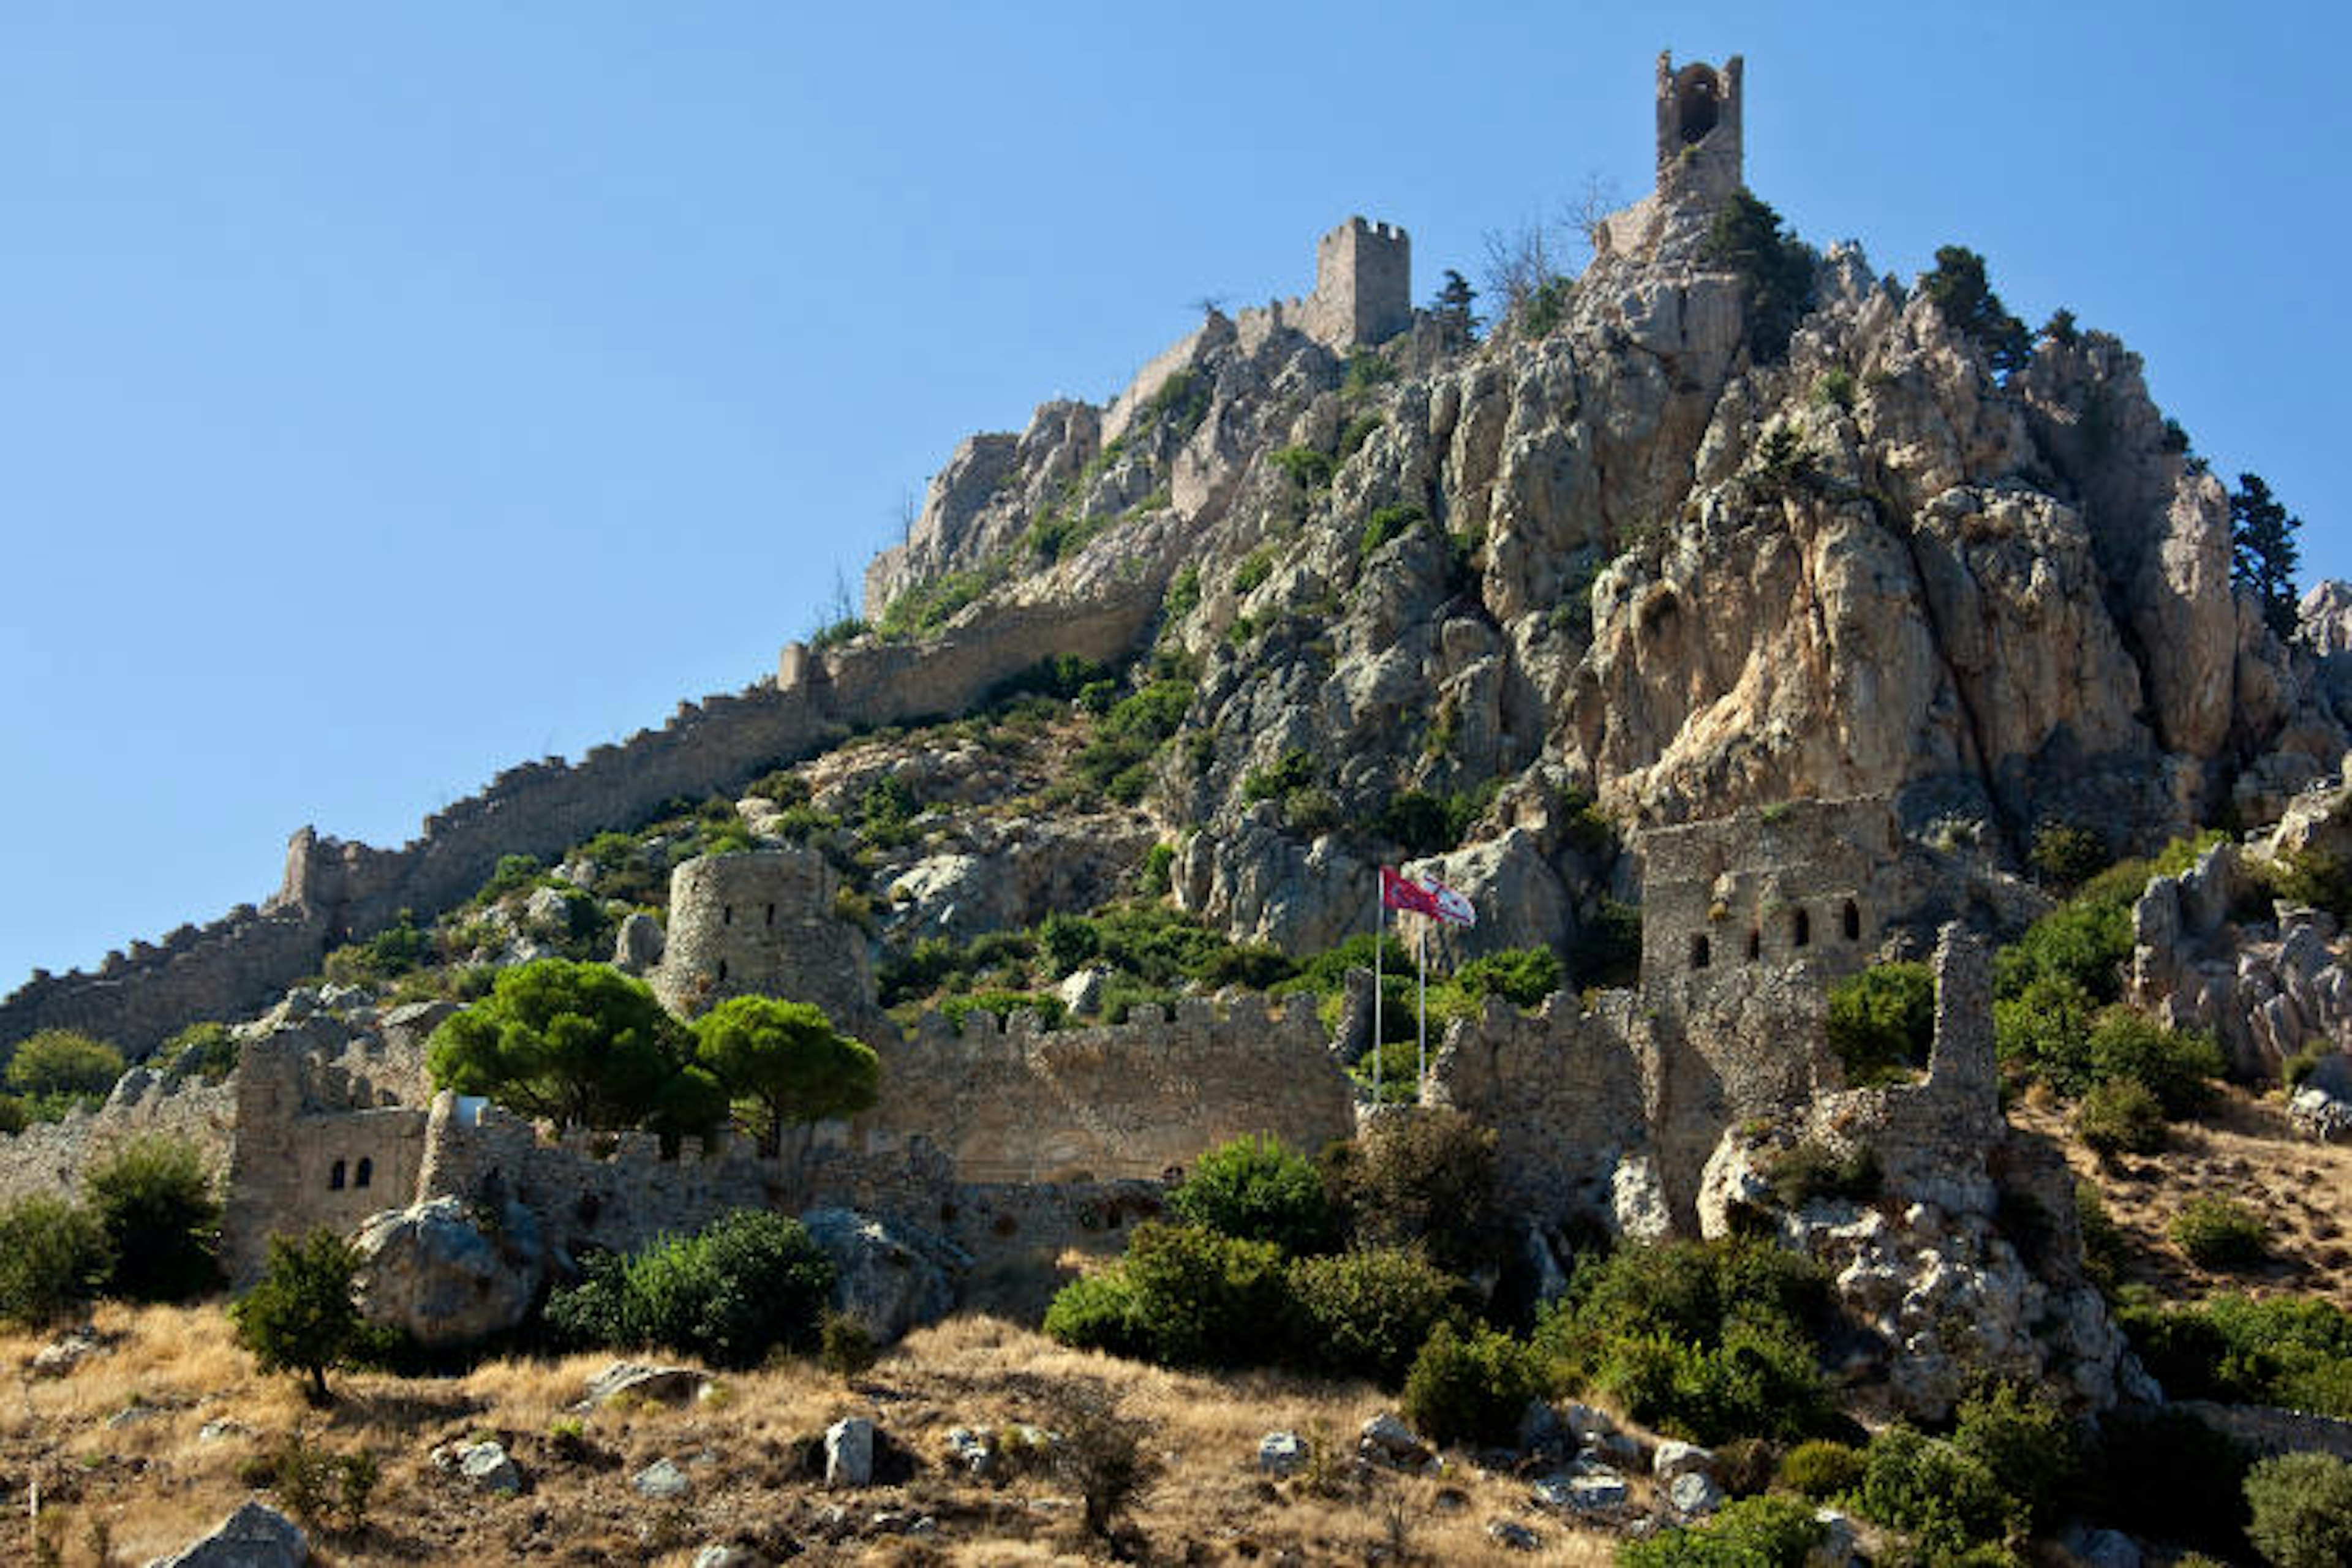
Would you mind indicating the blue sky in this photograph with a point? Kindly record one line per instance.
(391, 394)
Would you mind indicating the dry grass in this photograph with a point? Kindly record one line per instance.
(2242, 1150)
(155, 1482)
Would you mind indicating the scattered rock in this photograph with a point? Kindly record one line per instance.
(1282, 1453)
(1585, 1422)
(850, 1453)
(637, 946)
(662, 1384)
(66, 1351)
(489, 1468)
(1591, 1488)
(887, 1274)
(971, 1451)
(1512, 1536)
(1541, 1430)
(2318, 1115)
(2109, 1549)
(1694, 1493)
(130, 1415)
(1675, 1458)
(661, 1480)
(215, 1431)
(719, 1556)
(1389, 1441)
(430, 1271)
(254, 1536)
(1838, 1539)
(1082, 992)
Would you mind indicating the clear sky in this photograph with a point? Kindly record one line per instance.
(389, 394)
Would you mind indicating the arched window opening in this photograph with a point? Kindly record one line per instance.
(1699, 951)
(364, 1172)
(1696, 103)
(1853, 921)
(335, 1177)
(1800, 929)
(1755, 945)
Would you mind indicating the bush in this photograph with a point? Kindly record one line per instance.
(1102, 1456)
(1761, 1378)
(2121, 1118)
(53, 1257)
(1776, 268)
(2176, 1479)
(1255, 1189)
(1754, 1532)
(2066, 855)
(1821, 1469)
(1095, 1312)
(2283, 1350)
(1425, 1176)
(1810, 1171)
(749, 1282)
(2087, 941)
(207, 1048)
(2047, 1029)
(2028, 1445)
(2302, 1506)
(54, 1069)
(155, 1201)
(2218, 1233)
(1387, 523)
(844, 1348)
(1882, 1022)
(1471, 1387)
(1965, 298)
(324, 1491)
(1200, 1299)
(1522, 976)
(1366, 1314)
(300, 1316)
(1945, 1500)
(2178, 1066)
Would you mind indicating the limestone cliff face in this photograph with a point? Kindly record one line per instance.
(1623, 557)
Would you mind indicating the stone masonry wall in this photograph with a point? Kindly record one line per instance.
(762, 924)
(1131, 1100)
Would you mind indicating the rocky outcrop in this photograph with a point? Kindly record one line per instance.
(254, 1536)
(888, 1276)
(431, 1271)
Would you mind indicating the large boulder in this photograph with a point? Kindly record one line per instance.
(888, 1276)
(430, 1271)
(254, 1536)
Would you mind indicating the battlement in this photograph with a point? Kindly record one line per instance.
(1363, 285)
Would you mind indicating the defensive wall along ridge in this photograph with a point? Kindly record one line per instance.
(334, 891)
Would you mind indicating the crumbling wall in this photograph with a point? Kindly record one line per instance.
(1017, 1103)
(50, 1156)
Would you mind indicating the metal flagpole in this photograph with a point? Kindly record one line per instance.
(1420, 1044)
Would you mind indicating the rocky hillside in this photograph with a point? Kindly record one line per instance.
(1647, 550)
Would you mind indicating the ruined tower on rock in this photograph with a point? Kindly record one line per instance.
(1698, 131)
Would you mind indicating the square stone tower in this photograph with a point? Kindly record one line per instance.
(1363, 284)
(1698, 131)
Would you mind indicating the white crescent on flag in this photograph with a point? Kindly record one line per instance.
(1453, 906)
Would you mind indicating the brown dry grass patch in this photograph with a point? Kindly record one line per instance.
(155, 1480)
(2242, 1150)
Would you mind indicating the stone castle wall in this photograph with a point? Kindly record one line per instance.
(1017, 1103)
(49, 1157)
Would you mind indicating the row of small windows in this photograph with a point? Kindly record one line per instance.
(727, 914)
(359, 1178)
(1801, 934)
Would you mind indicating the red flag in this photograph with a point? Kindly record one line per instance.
(1403, 893)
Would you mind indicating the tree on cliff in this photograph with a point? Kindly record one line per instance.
(579, 1043)
(1776, 267)
(1452, 309)
(2261, 535)
(1965, 298)
(786, 1063)
(56, 1069)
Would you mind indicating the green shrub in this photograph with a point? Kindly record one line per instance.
(1094, 1312)
(1366, 1314)
(383, 957)
(53, 1257)
(1473, 1386)
(1761, 1378)
(2174, 1478)
(1254, 569)
(56, 1069)
(1066, 943)
(1753, 1532)
(1157, 876)
(1426, 1177)
(300, 1316)
(749, 1282)
(1366, 368)
(2046, 1030)
(2066, 855)
(1358, 431)
(1945, 1500)
(2105, 1250)
(2028, 1445)
(1308, 468)
(1296, 771)
(325, 1490)
(1547, 306)
(1959, 292)
(844, 1348)
(2087, 941)
(2283, 1350)
(155, 1200)
(2178, 1066)
(2219, 1233)
(207, 1048)
(2302, 1506)
(1882, 1022)
(1387, 523)
(1199, 1299)
(1836, 389)
(1811, 1170)
(1775, 268)
(1255, 1189)
(2313, 877)
(1821, 1469)
(1522, 976)
(2122, 1118)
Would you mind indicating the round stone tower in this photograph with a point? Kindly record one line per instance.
(762, 924)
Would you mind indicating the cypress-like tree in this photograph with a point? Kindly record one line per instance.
(2262, 537)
